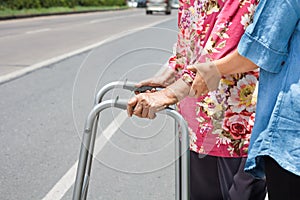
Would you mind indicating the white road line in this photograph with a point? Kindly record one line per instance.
(65, 183)
(267, 197)
(38, 31)
(112, 18)
(61, 28)
(24, 71)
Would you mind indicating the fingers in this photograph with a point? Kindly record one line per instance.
(151, 114)
(147, 82)
(192, 92)
(199, 87)
(145, 111)
(138, 106)
(131, 105)
(143, 105)
(195, 88)
(156, 81)
(192, 68)
(138, 110)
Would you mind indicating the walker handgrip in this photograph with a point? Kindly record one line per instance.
(121, 103)
(144, 89)
(128, 85)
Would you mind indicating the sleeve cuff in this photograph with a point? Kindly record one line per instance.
(264, 57)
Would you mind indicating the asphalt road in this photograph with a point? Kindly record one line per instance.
(43, 112)
(28, 41)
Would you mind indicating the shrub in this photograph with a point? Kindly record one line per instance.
(58, 3)
(113, 2)
(89, 2)
(21, 4)
(25, 4)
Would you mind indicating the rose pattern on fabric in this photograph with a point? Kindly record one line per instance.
(221, 122)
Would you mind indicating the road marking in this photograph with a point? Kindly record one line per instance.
(21, 34)
(38, 31)
(65, 183)
(67, 180)
(27, 70)
(112, 18)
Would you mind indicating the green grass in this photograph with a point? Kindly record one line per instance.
(24, 12)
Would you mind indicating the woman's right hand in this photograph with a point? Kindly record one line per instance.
(146, 104)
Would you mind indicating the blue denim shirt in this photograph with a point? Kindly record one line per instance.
(273, 43)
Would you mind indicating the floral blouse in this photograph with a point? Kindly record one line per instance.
(220, 123)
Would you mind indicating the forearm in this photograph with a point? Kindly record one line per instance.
(167, 76)
(234, 63)
(168, 71)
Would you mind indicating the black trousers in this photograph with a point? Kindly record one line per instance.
(217, 178)
(282, 184)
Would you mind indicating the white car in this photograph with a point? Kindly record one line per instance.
(132, 3)
(158, 6)
(175, 4)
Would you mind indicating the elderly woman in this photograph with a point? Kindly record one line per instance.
(221, 119)
(272, 44)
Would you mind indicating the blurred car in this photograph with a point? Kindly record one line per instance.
(132, 3)
(158, 6)
(175, 4)
(141, 3)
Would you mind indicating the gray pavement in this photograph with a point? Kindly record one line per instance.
(43, 113)
(52, 67)
(27, 44)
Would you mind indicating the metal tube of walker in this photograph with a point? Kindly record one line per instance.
(128, 85)
(78, 192)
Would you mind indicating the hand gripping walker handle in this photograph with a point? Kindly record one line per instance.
(127, 85)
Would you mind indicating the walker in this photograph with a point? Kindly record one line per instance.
(89, 136)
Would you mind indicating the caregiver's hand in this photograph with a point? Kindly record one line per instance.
(207, 78)
(145, 105)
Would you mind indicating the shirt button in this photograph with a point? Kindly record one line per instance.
(282, 63)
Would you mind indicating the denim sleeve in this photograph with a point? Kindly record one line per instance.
(266, 41)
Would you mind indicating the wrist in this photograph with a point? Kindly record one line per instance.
(180, 89)
(168, 77)
(210, 74)
(171, 97)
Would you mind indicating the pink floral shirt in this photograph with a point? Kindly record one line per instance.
(220, 122)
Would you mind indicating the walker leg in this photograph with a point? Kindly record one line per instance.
(177, 165)
(81, 169)
(90, 160)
